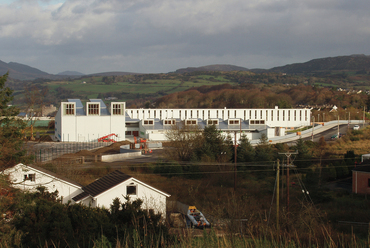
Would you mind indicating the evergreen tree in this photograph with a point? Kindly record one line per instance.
(264, 150)
(245, 151)
(12, 129)
(303, 158)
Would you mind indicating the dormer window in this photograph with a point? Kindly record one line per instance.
(190, 122)
(93, 109)
(169, 122)
(212, 122)
(234, 122)
(118, 108)
(257, 122)
(148, 122)
(69, 109)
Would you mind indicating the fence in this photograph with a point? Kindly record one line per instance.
(49, 151)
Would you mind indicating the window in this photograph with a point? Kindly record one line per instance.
(117, 109)
(31, 177)
(257, 122)
(212, 122)
(93, 109)
(169, 122)
(128, 133)
(148, 122)
(131, 190)
(191, 122)
(69, 109)
(234, 122)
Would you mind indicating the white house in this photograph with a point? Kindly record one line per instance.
(103, 191)
(29, 177)
(77, 123)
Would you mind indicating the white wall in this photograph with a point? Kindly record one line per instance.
(273, 117)
(81, 128)
(66, 190)
(152, 199)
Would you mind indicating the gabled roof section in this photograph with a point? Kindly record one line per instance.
(362, 168)
(103, 184)
(79, 107)
(48, 173)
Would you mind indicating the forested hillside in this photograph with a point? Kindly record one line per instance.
(263, 96)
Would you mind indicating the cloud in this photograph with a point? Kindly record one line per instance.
(162, 35)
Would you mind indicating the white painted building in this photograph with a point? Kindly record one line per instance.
(77, 123)
(27, 177)
(103, 191)
(153, 124)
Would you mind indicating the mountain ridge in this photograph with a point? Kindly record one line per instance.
(355, 62)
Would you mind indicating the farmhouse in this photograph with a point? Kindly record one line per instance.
(77, 123)
(103, 191)
(29, 177)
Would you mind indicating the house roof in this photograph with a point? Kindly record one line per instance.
(362, 168)
(105, 183)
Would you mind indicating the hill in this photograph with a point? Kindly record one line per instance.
(340, 63)
(212, 68)
(70, 73)
(21, 72)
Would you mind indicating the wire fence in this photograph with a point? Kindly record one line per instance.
(46, 153)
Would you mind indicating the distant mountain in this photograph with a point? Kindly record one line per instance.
(21, 72)
(70, 73)
(212, 68)
(357, 62)
(113, 73)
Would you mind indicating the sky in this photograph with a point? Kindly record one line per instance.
(155, 36)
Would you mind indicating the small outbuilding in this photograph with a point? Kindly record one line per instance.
(361, 179)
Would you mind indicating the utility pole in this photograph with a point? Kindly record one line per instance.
(313, 126)
(287, 154)
(363, 118)
(277, 196)
(338, 125)
(235, 162)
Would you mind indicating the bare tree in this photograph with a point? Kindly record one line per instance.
(184, 140)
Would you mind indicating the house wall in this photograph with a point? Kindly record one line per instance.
(65, 189)
(360, 183)
(151, 198)
(273, 117)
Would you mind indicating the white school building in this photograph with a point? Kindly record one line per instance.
(96, 122)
